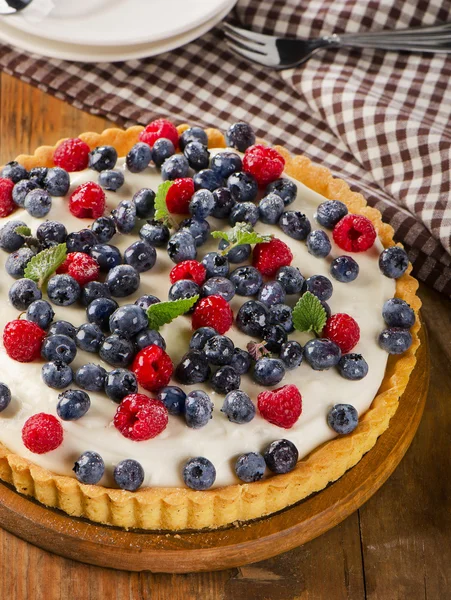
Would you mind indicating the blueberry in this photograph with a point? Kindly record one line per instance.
(100, 310)
(21, 190)
(223, 203)
(241, 361)
(129, 474)
(225, 380)
(183, 288)
(120, 383)
(395, 340)
(238, 254)
(202, 204)
(38, 175)
(138, 158)
(319, 286)
(226, 163)
(250, 467)
(5, 396)
(322, 354)
(198, 228)
(285, 188)
(41, 313)
(90, 377)
(128, 320)
(244, 212)
(103, 158)
(104, 229)
(89, 337)
(72, 405)
(62, 328)
(56, 374)
(207, 179)
(344, 269)
(243, 187)
(247, 280)
(89, 468)
(238, 407)
(198, 409)
(146, 301)
(216, 265)
(397, 313)
(291, 354)
(14, 171)
(343, 418)
(193, 368)
(23, 292)
(173, 398)
(51, 233)
(281, 314)
(161, 150)
(274, 336)
(124, 216)
(140, 255)
(318, 243)
(193, 134)
(252, 318)
(175, 167)
(198, 155)
(10, 241)
(295, 224)
(111, 180)
(330, 212)
(17, 261)
(107, 256)
(240, 136)
(155, 233)
(63, 290)
(144, 201)
(59, 347)
(272, 293)
(182, 246)
(81, 241)
(122, 281)
(353, 367)
(149, 337)
(270, 209)
(326, 308)
(219, 350)
(281, 456)
(218, 286)
(93, 290)
(393, 262)
(269, 371)
(201, 336)
(291, 280)
(117, 350)
(199, 473)
(57, 182)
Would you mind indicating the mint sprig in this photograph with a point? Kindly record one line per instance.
(161, 313)
(161, 208)
(23, 230)
(43, 265)
(242, 233)
(309, 314)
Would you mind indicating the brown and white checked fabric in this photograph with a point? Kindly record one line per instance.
(379, 120)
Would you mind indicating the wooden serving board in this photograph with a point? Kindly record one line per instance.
(105, 546)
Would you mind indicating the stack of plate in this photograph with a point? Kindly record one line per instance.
(113, 30)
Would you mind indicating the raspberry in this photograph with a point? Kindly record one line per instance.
(268, 257)
(264, 163)
(354, 233)
(23, 340)
(72, 155)
(343, 330)
(6, 197)
(82, 267)
(153, 368)
(213, 311)
(281, 407)
(42, 433)
(87, 201)
(160, 128)
(140, 418)
(188, 269)
(179, 195)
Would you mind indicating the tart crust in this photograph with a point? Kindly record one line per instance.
(177, 509)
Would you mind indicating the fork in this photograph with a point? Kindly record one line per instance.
(286, 52)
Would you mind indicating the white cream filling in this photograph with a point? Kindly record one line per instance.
(220, 441)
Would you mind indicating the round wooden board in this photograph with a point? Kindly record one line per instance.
(105, 546)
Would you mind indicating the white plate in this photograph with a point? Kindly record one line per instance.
(91, 54)
(118, 22)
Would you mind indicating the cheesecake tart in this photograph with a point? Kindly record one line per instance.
(280, 327)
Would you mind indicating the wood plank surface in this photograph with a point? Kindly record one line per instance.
(396, 547)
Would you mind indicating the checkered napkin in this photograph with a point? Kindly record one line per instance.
(380, 120)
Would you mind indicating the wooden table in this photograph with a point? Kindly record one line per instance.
(397, 546)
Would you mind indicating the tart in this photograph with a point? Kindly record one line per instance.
(314, 416)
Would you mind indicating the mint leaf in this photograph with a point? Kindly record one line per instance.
(258, 350)
(242, 233)
(23, 230)
(164, 312)
(44, 264)
(161, 209)
(309, 314)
